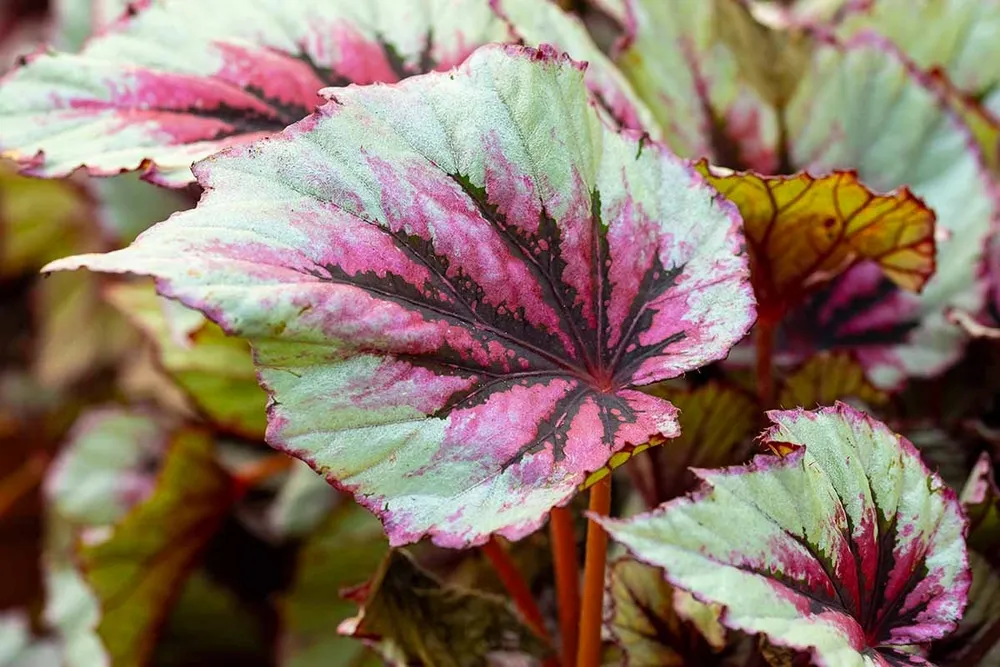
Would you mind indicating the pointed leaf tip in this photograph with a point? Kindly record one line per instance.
(847, 547)
(454, 285)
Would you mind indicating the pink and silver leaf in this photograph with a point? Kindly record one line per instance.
(848, 548)
(454, 285)
(177, 80)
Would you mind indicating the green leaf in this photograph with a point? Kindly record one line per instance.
(215, 370)
(342, 552)
(825, 378)
(848, 548)
(138, 571)
(657, 625)
(413, 617)
(981, 499)
(716, 424)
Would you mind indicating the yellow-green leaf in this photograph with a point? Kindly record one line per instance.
(828, 377)
(803, 231)
(215, 370)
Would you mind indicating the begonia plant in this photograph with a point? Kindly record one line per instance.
(441, 332)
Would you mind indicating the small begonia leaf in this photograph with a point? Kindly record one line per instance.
(802, 231)
(467, 626)
(826, 378)
(454, 285)
(981, 498)
(180, 79)
(107, 465)
(717, 422)
(657, 625)
(137, 572)
(837, 120)
(847, 548)
(342, 552)
(215, 370)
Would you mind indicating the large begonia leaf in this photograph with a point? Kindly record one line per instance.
(826, 378)
(848, 548)
(837, 120)
(468, 627)
(453, 286)
(535, 22)
(657, 625)
(803, 230)
(346, 548)
(137, 571)
(716, 421)
(179, 79)
(214, 370)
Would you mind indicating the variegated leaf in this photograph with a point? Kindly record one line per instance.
(177, 80)
(837, 120)
(454, 285)
(848, 548)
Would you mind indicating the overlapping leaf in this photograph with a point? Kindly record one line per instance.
(716, 424)
(802, 231)
(216, 371)
(108, 464)
(657, 625)
(826, 378)
(837, 120)
(145, 500)
(963, 59)
(535, 22)
(981, 499)
(848, 548)
(467, 628)
(342, 552)
(136, 573)
(964, 45)
(453, 286)
(181, 79)
(679, 65)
